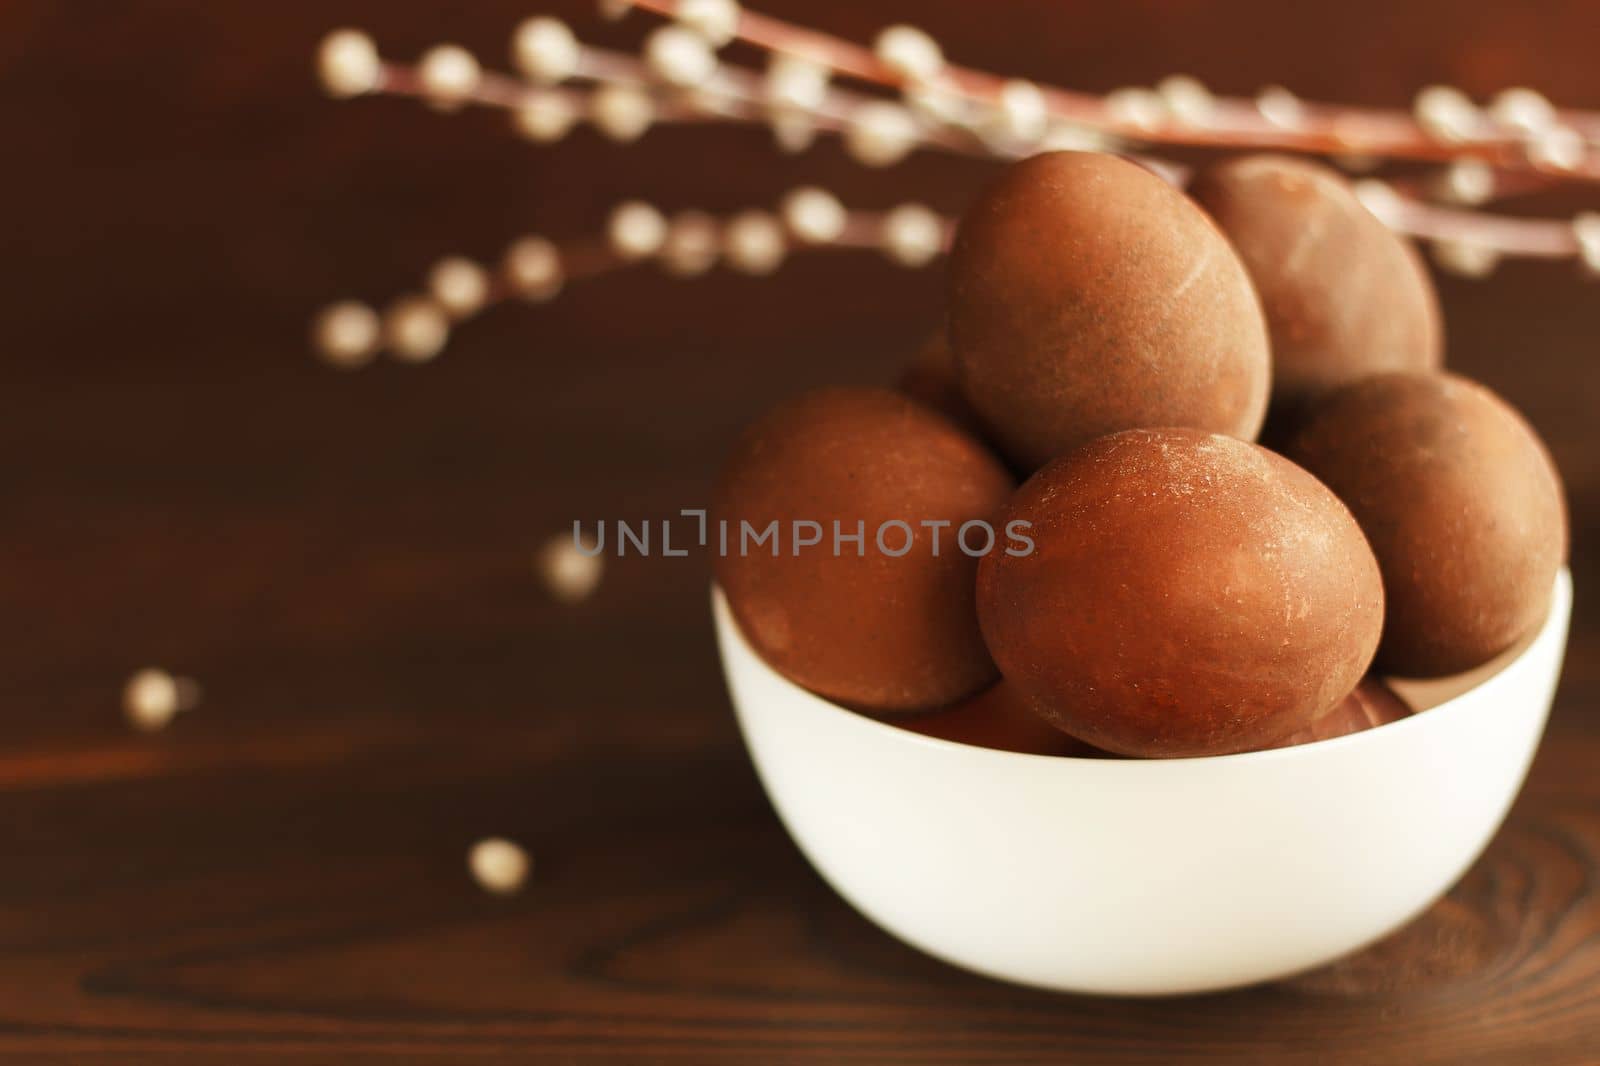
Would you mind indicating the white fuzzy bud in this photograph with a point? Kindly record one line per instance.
(1467, 181)
(346, 334)
(416, 329)
(544, 116)
(793, 82)
(449, 75)
(715, 20)
(1586, 230)
(1280, 107)
(1142, 109)
(636, 230)
(754, 243)
(532, 265)
(1559, 148)
(1071, 137)
(680, 57)
(545, 50)
(909, 53)
(693, 244)
(1186, 99)
(498, 866)
(569, 573)
(459, 285)
(1021, 112)
(1522, 109)
(1465, 258)
(913, 235)
(152, 698)
(347, 63)
(814, 216)
(937, 103)
(880, 134)
(622, 112)
(1446, 114)
(1380, 198)
(794, 130)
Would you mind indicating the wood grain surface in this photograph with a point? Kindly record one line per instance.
(344, 562)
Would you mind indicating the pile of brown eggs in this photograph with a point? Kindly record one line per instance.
(1158, 585)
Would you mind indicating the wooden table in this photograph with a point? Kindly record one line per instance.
(344, 562)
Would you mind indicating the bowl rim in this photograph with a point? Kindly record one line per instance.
(724, 619)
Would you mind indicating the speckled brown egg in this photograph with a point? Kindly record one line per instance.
(1088, 296)
(1372, 704)
(1461, 503)
(1187, 594)
(887, 624)
(999, 718)
(1344, 296)
(930, 379)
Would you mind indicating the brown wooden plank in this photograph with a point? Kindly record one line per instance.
(344, 562)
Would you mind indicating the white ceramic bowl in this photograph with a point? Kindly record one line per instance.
(1147, 877)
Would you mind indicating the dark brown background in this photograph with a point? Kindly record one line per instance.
(344, 561)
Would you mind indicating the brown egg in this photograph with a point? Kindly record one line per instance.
(886, 624)
(1187, 594)
(1087, 296)
(1371, 704)
(930, 379)
(1461, 503)
(1344, 296)
(998, 718)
